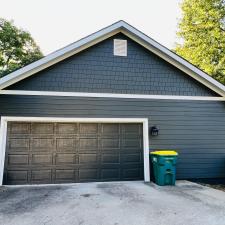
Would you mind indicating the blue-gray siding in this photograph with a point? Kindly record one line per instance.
(196, 129)
(98, 70)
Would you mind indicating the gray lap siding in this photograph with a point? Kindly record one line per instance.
(193, 128)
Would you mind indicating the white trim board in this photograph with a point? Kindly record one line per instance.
(110, 95)
(103, 34)
(144, 121)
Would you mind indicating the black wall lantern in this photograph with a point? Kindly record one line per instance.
(154, 131)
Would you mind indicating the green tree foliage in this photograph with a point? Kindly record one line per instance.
(202, 33)
(17, 48)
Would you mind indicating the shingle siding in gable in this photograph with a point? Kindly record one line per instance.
(97, 70)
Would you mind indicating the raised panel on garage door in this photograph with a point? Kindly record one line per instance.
(40, 153)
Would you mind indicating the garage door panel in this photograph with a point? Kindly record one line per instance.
(66, 128)
(88, 158)
(42, 159)
(42, 128)
(88, 175)
(110, 158)
(110, 143)
(66, 144)
(132, 143)
(132, 158)
(17, 144)
(41, 176)
(88, 128)
(132, 173)
(131, 128)
(88, 144)
(110, 129)
(65, 174)
(42, 144)
(40, 153)
(65, 158)
(110, 174)
(131, 135)
(19, 128)
(17, 177)
(18, 159)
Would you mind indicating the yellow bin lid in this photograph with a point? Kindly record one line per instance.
(164, 152)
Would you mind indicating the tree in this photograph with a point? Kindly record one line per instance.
(17, 48)
(202, 32)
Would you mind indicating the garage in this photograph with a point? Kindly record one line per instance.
(69, 152)
(87, 111)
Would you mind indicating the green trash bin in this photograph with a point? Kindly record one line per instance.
(164, 167)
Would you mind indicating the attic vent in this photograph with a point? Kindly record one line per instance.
(120, 47)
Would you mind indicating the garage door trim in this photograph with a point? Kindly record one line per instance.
(144, 121)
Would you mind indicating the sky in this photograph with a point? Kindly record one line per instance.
(56, 23)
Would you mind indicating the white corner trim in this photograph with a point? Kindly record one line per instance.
(144, 121)
(146, 150)
(3, 134)
(103, 34)
(110, 95)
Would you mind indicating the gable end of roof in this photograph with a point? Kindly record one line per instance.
(103, 34)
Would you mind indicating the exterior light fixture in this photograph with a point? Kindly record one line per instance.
(154, 131)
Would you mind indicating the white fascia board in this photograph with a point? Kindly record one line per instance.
(103, 34)
(110, 95)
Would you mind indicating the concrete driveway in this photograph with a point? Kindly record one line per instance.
(114, 203)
